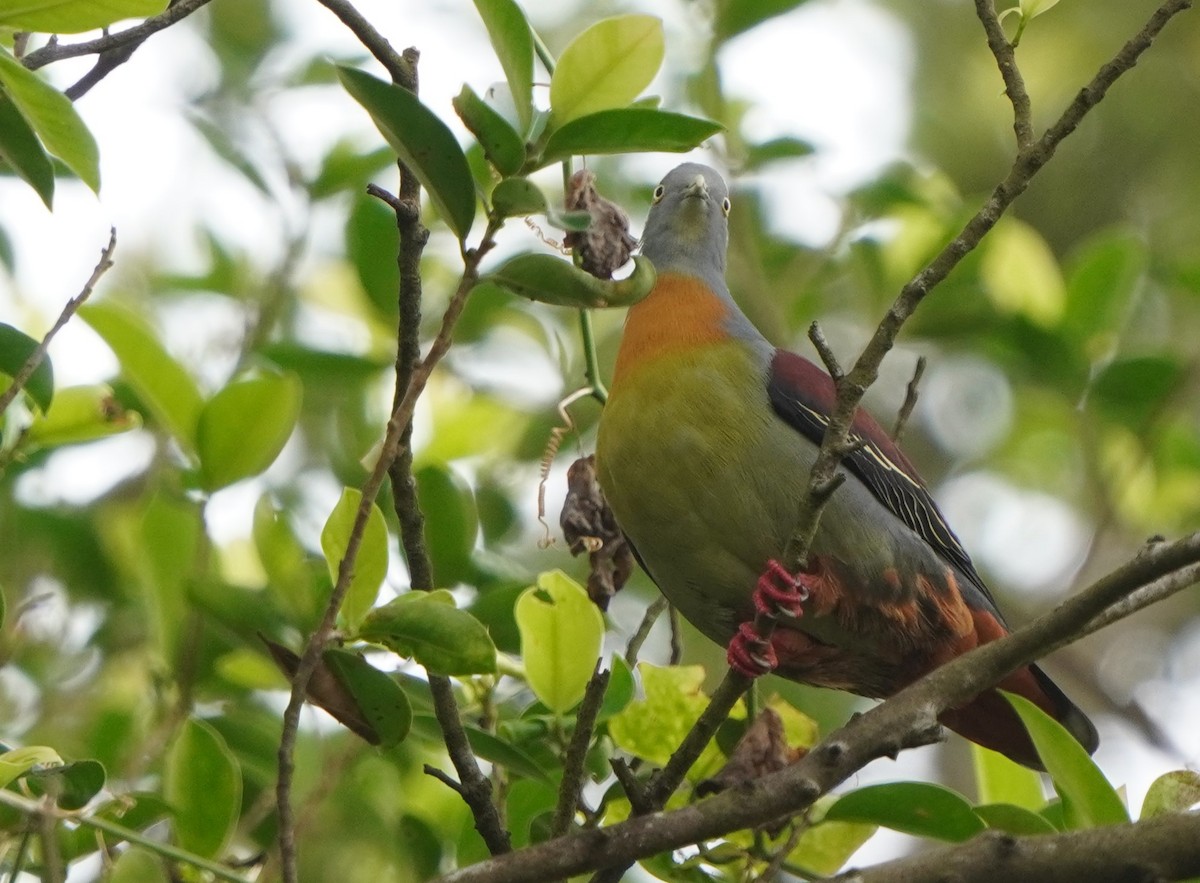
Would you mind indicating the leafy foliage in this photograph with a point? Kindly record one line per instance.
(136, 614)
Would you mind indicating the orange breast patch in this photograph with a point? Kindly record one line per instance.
(681, 313)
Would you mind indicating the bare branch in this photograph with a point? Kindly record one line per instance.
(1163, 848)
(634, 647)
(581, 739)
(131, 37)
(1029, 161)
(1014, 83)
(910, 399)
(907, 719)
(403, 72)
(36, 357)
(825, 351)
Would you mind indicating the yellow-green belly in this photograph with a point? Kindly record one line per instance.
(702, 477)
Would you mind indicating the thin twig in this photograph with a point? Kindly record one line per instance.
(30, 808)
(906, 720)
(134, 36)
(36, 357)
(577, 749)
(370, 490)
(910, 400)
(634, 647)
(1014, 83)
(1029, 161)
(402, 73)
(825, 351)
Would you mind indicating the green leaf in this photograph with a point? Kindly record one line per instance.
(81, 414)
(775, 150)
(1131, 391)
(621, 688)
(737, 16)
(517, 197)
(169, 533)
(1176, 791)
(501, 144)
(136, 866)
(15, 349)
(513, 41)
(1000, 780)
(423, 141)
(1021, 274)
(346, 167)
(371, 243)
(1089, 800)
(73, 785)
(552, 280)
(52, 116)
(826, 846)
(242, 428)
(73, 16)
(167, 390)
(918, 808)
(429, 628)
(20, 148)
(561, 632)
(370, 567)
(629, 130)
(18, 761)
(486, 746)
(575, 221)
(652, 728)
(1033, 8)
(608, 65)
(1014, 819)
(292, 576)
(380, 702)
(203, 784)
(1103, 276)
(451, 522)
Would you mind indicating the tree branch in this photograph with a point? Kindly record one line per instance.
(36, 357)
(1028, 162)
(1014, 84)
(907, 719)
(1163, 848)
(581, 740)
(131, 37)
(402, 72)
(370, 490)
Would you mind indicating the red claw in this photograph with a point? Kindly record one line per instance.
(750, 654)
(780, 593)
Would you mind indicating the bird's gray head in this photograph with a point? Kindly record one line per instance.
(687, 230)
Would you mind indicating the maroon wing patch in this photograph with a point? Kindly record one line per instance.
(803, 395)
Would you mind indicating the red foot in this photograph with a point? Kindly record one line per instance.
(780, 593)
(750, 654)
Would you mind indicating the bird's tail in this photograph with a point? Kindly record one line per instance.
(990, 721)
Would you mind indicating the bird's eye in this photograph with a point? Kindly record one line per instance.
(659, 192)
(726, 205)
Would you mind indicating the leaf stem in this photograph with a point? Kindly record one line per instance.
(24, 805)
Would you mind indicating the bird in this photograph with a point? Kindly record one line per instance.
(703, 452)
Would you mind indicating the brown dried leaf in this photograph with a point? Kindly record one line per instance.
(606, 244)
(588, 526)
(762, 749)
(325, 691)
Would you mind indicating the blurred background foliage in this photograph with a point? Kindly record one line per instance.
(1057, 424)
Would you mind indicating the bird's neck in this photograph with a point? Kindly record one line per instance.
(681, 313)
